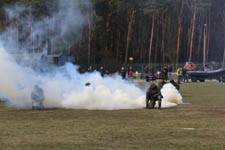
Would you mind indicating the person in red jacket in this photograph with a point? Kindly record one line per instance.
(131, 73)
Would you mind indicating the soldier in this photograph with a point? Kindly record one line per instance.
(37, 97)
(153, 94)
(175, 84)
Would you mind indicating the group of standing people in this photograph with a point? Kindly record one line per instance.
(182, 75)
(130, 72)
(123, 72)
(103, 72)
(165, 73)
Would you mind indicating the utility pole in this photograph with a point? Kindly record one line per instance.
(204, 47)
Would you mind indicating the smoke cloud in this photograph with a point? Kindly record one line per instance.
(171, 96)
(64, 87)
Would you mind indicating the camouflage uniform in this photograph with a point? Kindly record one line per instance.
(153, 94)
(37, 97)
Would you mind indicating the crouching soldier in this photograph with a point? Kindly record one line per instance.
(153, 94)
(175, 84)
(37, 98)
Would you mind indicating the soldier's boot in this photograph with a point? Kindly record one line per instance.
(159, 102)
(147, 103)
(152, 104)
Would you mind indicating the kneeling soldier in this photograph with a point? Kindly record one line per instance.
(153, 94)
(37, 97)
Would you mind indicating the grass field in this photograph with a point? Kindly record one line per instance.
(200, 125)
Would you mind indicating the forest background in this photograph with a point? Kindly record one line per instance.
(140, 32)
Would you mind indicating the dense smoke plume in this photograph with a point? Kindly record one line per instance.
(64, 87)
(171, 96)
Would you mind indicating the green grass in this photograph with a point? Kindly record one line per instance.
(124, 129)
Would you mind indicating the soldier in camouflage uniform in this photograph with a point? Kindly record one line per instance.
(153, 94)
(37, 98)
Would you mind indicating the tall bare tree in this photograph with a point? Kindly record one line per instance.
(151, 39)
(130, 26)
(180, 17)
(224, 36)
(89, 38)
(192, 34)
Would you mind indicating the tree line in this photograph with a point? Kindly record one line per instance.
(149, 31)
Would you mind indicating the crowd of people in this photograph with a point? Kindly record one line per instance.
(125, 73)
(182, 75)
(164, 73)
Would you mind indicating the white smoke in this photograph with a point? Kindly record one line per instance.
(171, 96)
(26, 32)
(63, 87)
(66, 88)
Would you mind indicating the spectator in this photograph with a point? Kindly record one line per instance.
(187, 66)
(164, 73)
(217, 67)
(146, 69)
(185, 75)
(170, 72)
(123, 73)
(107, 72)
(179, 75)
(194, 66)
(90, 69)
(102, 71)
(131, 73)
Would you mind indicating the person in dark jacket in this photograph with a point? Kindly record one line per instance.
(37, 98)
(102, 71)
(123, 73)
(185, 75)
(153, 94)
(164, 73)
(170, 69)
